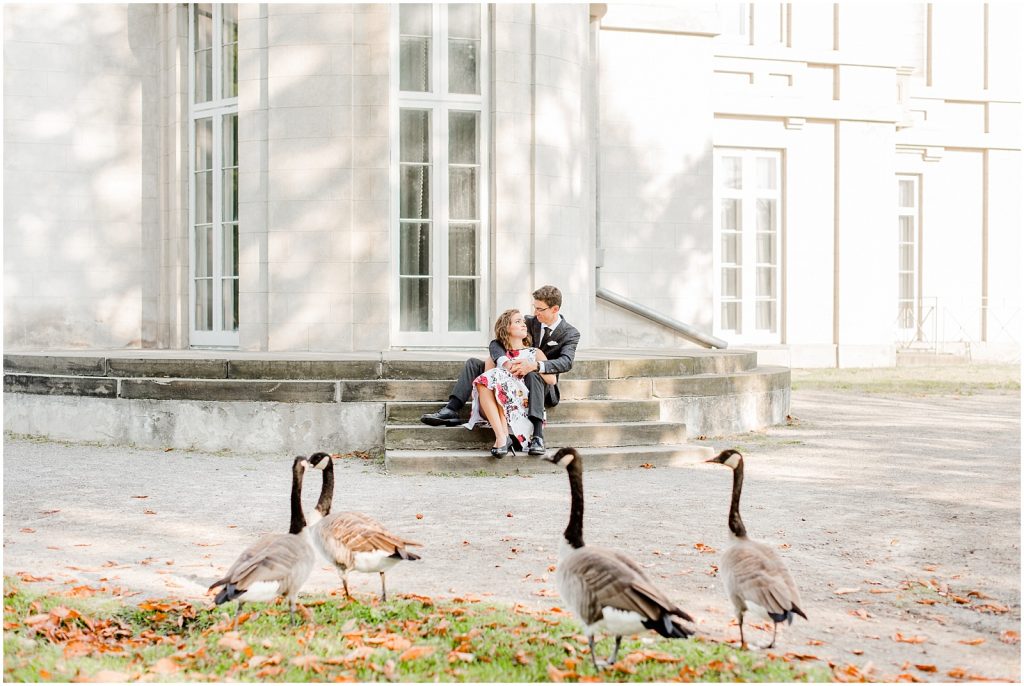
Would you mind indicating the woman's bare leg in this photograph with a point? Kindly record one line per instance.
(495, 415)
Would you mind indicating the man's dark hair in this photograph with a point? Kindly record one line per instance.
(549, 295)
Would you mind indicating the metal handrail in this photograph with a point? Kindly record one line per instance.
(682, 328)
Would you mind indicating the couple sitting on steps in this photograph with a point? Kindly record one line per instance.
(526, 357)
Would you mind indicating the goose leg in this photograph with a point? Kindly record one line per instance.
(743, 641)
(383, 590)
(593, 652)
(238, 611)
(615, 650)
(344, 584)
(775, 628)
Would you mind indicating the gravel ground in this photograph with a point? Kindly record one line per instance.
(877, 502)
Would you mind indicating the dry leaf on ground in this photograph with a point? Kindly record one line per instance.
(900, 638)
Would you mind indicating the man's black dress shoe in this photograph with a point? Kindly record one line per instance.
(443, 417)
(536, 446)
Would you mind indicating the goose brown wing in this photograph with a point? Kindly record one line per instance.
(272, 558)
(759, 576)
(346, 533)
(602, 579)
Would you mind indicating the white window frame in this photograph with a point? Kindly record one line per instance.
(215, 109)
(748, 196)
(914, 331)
(741, 32)
(440, 103)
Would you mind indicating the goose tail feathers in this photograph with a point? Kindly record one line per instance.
(669, 626)
(228, 593)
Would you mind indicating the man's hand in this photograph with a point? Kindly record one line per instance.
(520, 368)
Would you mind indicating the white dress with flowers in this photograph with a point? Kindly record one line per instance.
(511, 394)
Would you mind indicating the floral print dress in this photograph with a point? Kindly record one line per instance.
(511, 394)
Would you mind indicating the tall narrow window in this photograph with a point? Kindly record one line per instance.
(736, 20)
(908, 241)
(747, 251)
(213, 187)
(440, 175)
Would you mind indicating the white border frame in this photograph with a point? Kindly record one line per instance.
(440, 102)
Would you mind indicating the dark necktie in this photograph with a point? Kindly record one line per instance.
(544, 331)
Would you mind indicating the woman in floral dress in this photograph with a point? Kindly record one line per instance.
(501, 399)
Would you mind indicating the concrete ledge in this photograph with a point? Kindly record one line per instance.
(303, 369)
(471, 461)
(725, 362)
(712, 415)
(238, 427)
(252, 391)
(764, 379)
(585, 435)
(376, 391)
(566, 411)
(604, 389)
(60, 385)
(181, 369)
(56, 364)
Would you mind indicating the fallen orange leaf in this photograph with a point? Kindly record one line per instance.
(232, 641)
(108, 675)
(900, 638)
(972, 641)
(844, 591)
(415, 652)
(164, 665)
(906, 676)
(1010, 636)
(927, 668)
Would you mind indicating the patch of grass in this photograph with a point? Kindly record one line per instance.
(411, 638)
(966, 379)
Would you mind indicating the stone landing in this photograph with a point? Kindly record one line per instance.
(620, 409)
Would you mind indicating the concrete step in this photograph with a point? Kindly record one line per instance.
(585, 435)
(369, 366)
(568, 411)
(481, 462)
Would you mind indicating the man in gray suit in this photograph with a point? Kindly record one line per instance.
(552, 334)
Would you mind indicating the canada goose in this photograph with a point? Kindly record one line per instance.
(605, 588)
(754, 575)
(352, 541)
(275, 565)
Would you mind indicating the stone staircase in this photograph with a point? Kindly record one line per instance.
(620, 410)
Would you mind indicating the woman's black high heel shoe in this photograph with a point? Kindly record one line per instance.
(503, 451)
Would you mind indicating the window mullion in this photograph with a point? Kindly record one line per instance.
(217, 227)
(749, 238)
(441, 235)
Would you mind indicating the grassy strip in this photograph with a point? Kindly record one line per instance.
(939, 380)
(59, 637)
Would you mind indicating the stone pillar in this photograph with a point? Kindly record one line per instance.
(252, 177)
(369, 314)
(309, 87)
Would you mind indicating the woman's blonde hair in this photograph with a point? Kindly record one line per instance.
(501, 329)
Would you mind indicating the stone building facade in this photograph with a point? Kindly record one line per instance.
(828, 184)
